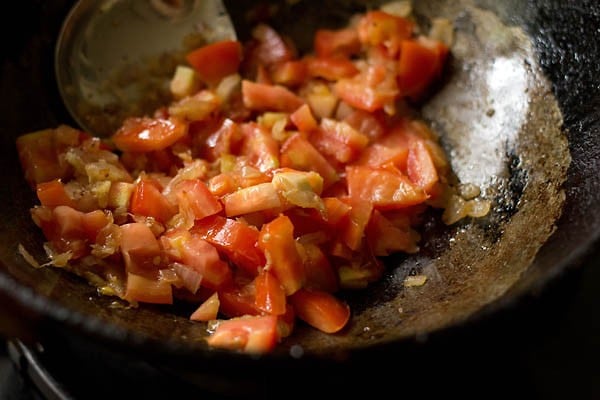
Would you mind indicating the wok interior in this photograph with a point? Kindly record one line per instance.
(497, 117)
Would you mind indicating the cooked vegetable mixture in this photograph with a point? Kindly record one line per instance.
(270, 184)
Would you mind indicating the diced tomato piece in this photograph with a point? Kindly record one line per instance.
(263, 97)
(337, 210)
(386, 238)
(38, 153)
(208, 310)
(236, 239)
(384, 188)
(340, 42)
(249, 334)
(255, 198)
(260, 147)
(319, 271)
(370, 124)
(339, 140)
(321, 310)
(289, 73)
(420, 167)
(198, 254)
(237, 301)
(354, 228)
(53, 193)
(147, 290)
(193, 196)
(420, 64)
(330, 68)
(272, 48)
(142, 134)
(93, 222)
(378, 28)
(298, 153)
(276, 239)
(140, 248)
(223, 138)
(371, 90)
(147, 200)
(304, 119)
(215, 61)
(270, 295)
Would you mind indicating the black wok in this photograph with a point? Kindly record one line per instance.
(519, 115)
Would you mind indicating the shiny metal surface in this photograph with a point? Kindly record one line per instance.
(114, 58)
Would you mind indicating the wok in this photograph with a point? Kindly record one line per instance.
(519, 114)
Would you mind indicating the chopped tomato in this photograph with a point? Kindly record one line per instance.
(339, 140)
(142, 134)
(250, 334)
(341, 42)
(270, 295)
(53, 193)
(276, 239)
(194, 197)
(198, 254)
(378, 28)
(304, 119)
(203, 59)
(331, 68)
(263, 97)
(289, 73)
(421, 62)
(147, 290)
(385, 188)
(140, 248)
(147, 200)
(419, 164)
(239, 300)
(298, 153)
(373, 89)
(321, 310)
(208, 310)
(236, 239)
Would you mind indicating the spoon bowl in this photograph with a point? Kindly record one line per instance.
(114, 58)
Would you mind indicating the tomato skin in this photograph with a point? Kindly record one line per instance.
(204, 60)
(144, 134)
(276, 239)
(236, 239)
(321, 310)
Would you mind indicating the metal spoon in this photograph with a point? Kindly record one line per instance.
(114, 58)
